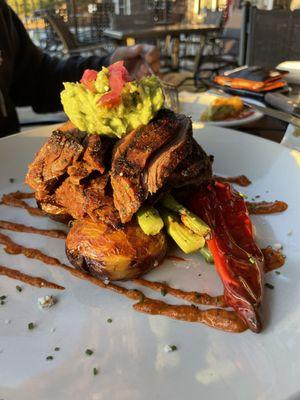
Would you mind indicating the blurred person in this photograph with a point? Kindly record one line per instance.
(29, 77)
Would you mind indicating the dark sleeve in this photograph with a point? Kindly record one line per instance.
(38, 77)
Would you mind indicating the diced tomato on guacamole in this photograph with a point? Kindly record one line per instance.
(118, 77)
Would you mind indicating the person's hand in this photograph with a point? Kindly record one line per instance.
(135, 57)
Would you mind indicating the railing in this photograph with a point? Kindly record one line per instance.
(85, 18)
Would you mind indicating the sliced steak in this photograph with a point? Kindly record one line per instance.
(131, 157)
(53, 159)
(195, 169)
(169, 156)
(78, 171)
(71, 197)
(98, 152)
(88, 200)
(145, 161)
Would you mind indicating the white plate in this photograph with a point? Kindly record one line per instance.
(193, 104)
(129, 353)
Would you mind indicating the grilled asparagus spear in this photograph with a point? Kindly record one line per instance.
(206, 254)
(149, 220)
(186, 239)
(189, 219)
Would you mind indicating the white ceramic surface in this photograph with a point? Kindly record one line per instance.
(293, 69)
(193, 104)
(129, 352)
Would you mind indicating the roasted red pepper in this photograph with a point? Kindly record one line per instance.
(238, 259)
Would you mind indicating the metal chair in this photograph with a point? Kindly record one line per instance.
(274, 36)
(70, 44)
(190, 44)
(228, 49)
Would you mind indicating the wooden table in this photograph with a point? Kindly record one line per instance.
(157, 32)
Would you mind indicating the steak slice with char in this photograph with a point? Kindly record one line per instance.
(88, 200)
(51, 162)
(68, 152)
(68, 176)
(130, 158)
(195, 169)
(169, 156)
(97, 152)
(158, 156)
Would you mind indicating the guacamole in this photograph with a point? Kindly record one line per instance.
(138, 103)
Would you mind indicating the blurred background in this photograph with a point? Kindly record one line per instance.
(63, 27)
(198, 39)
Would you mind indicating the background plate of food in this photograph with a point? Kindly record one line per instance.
(218, 110)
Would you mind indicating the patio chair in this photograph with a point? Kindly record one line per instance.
(274, 36)
(221, 51)
(190, 44)
(225, 50)
(70, 44)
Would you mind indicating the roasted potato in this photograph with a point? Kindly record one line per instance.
(114, 254)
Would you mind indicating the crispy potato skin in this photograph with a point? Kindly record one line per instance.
(114, 254)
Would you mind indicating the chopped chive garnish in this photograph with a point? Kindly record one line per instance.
(109, 320)
(31, 326)
(48, 358)
(277, 272)
(95, 371)
(173, 347)
(2, 302)
(19, 288)
(89, 352)
(163, 291)
(56, 348)
(269, 285)
(2, 297)
(11, 180)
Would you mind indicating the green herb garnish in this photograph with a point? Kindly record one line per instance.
(19, 288)
(95, 371)
(11, 180)
(56, 348)
(89, 352)
(2, 297)
(2, 302)
(31, 326)
(109, 320)
(173, 347)
(277, 272)
(48, 358)
(163, 291)
(269, 285)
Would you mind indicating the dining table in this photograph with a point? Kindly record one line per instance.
(158, 32)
